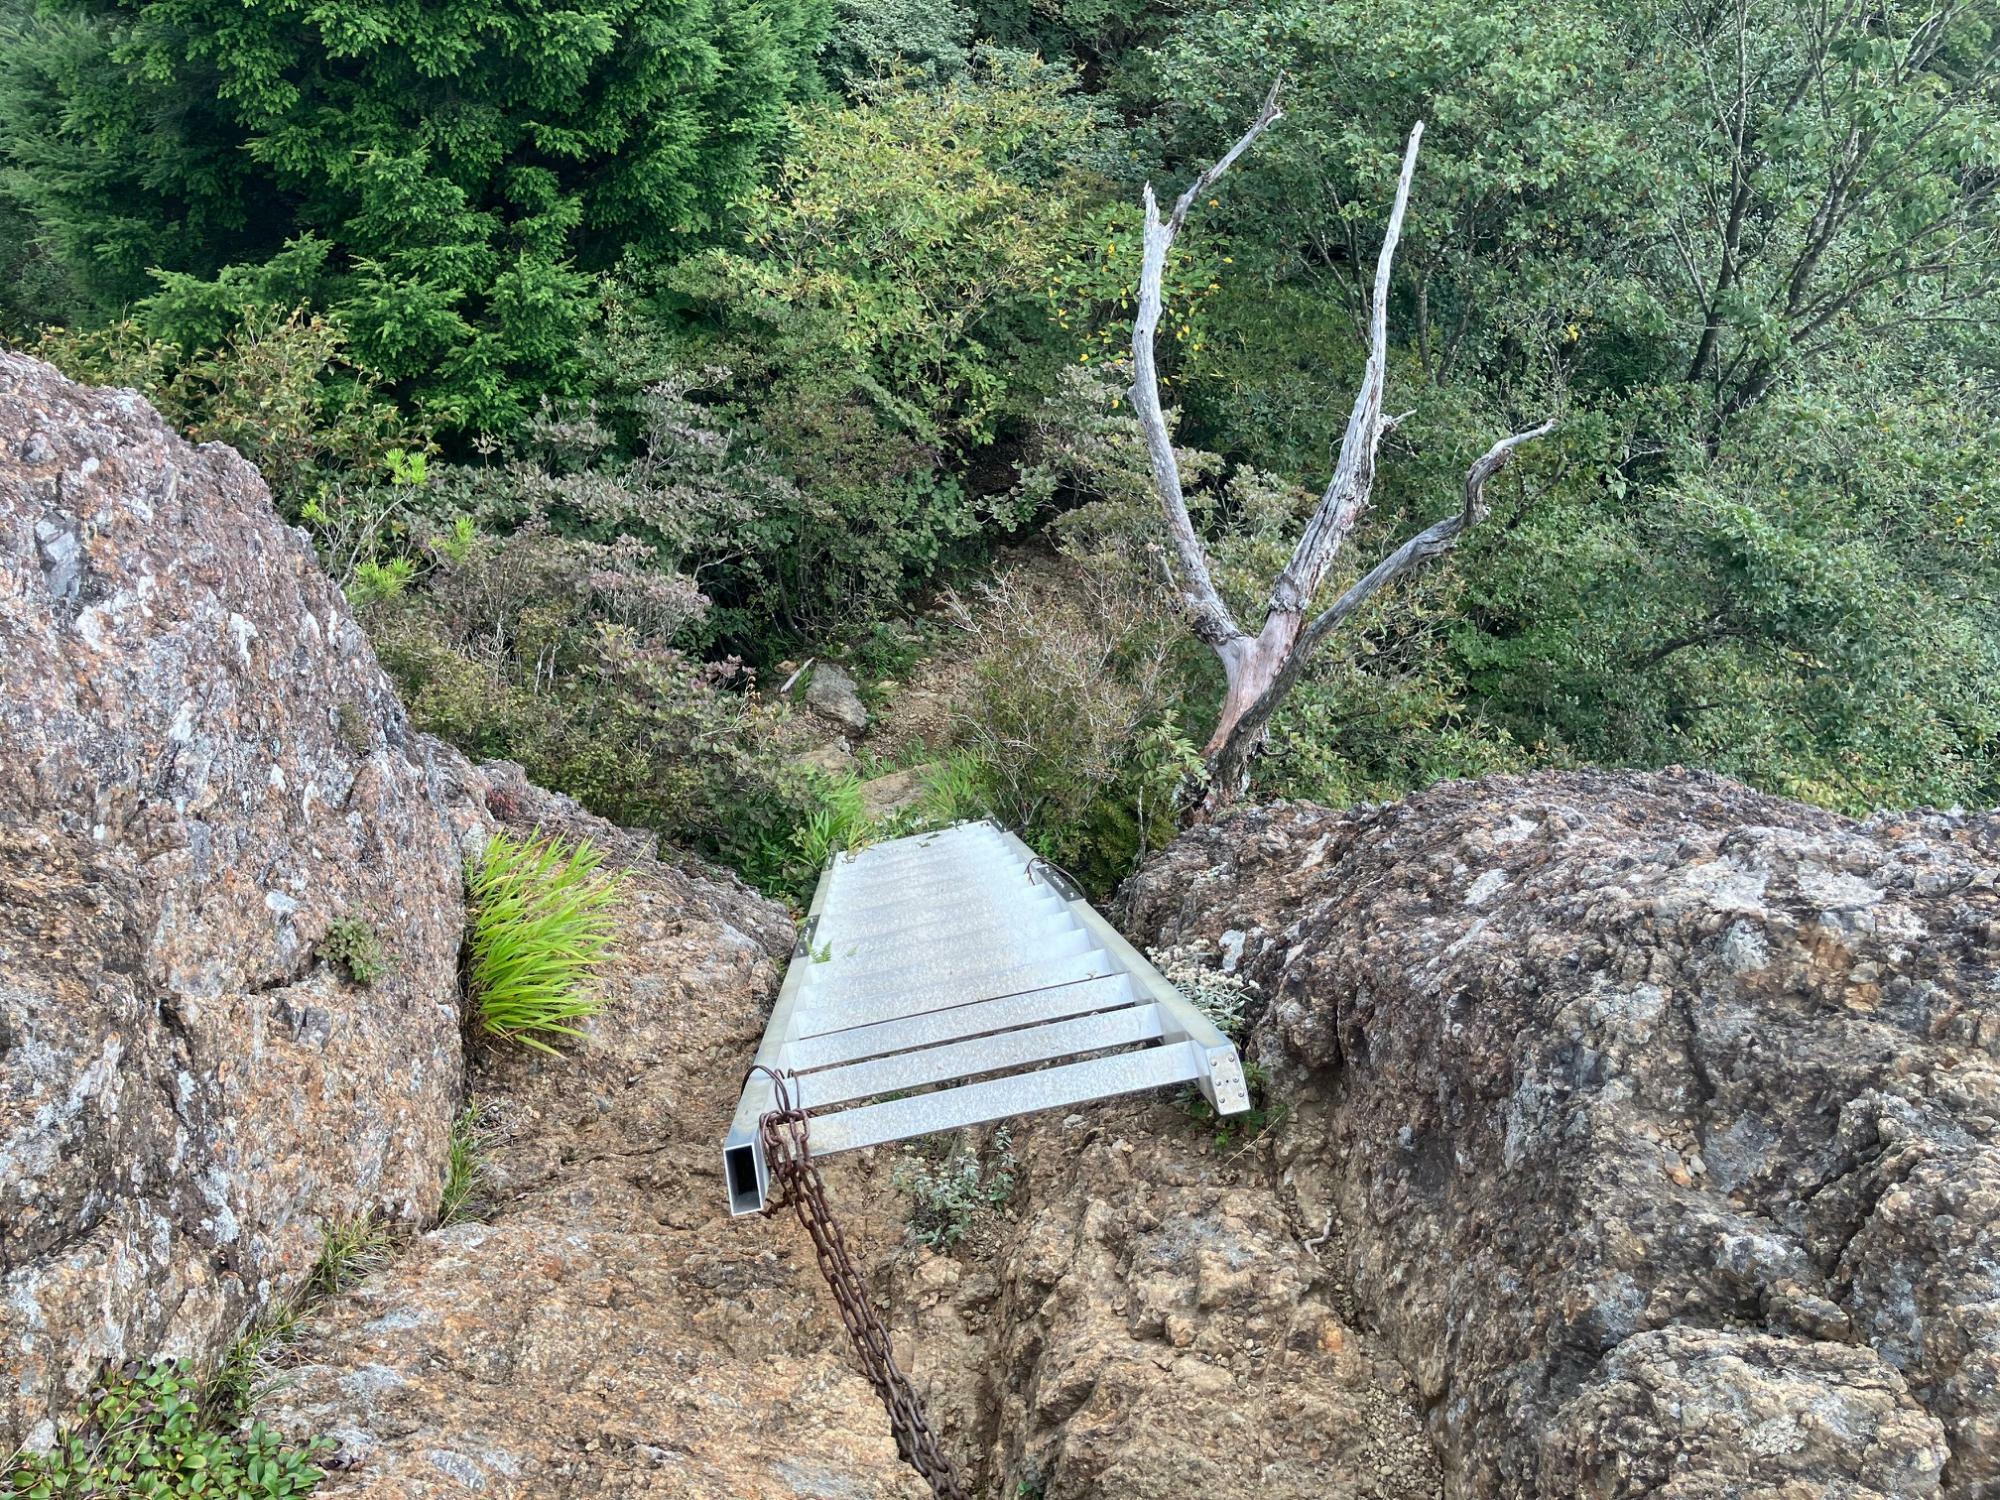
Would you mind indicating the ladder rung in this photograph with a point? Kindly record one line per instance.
(970, 909)
(998, 1098)
(897, 885)
(958, 1022)
(879, 1003)
(986, 1054)
(870, 958)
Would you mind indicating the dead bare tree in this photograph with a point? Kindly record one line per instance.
(1261, 669)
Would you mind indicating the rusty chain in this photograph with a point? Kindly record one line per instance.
(796, 1183)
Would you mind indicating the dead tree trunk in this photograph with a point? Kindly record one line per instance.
(1260, 669)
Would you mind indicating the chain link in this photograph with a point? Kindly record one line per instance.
(796, 1183)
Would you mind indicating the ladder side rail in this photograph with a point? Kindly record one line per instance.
(744, 1171)
(1221, 1077)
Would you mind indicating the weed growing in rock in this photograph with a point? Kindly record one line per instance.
(247, 1373)
(948, 1196)
(151, 1430)
(1225, 999)
(464, 1170)
(1228, 1129)
(350, 727)
(353, 945)
(352, 1248)
(541, 926)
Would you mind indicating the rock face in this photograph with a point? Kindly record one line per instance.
(605, 1329)
(1657, 1121)
(201, 768)
(1155, 1326)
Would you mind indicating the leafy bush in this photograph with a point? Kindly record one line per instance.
(541, 926)
(1072, 718)
(875, 39)
(147, 1431)
(283, 389)
(353, 945)
(948, 1196)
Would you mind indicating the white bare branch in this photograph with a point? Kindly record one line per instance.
(1433, 541)
(1207, 612)
(1261, 669)
(1347, 492)
(1229, 759)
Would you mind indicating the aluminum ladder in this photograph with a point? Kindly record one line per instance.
(953, 978)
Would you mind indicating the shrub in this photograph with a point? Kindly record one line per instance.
(1073, 717)
(283, 389)
(541, 926)
(948, 1196)
(147, 1430)
(1224, 998)
(353, 945)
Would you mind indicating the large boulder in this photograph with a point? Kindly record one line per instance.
(1657, 1121)
(201, 769)
(834, 695)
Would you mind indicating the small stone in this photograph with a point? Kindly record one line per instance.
(832, 694)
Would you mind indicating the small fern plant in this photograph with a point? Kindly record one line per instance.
(541, 927)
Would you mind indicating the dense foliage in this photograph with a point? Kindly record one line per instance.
(443, 179)
(613, 352)
(152, 1431)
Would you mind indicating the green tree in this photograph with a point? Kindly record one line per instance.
(465, 166)
(886, 311)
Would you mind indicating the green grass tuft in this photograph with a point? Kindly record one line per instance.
(464, 1170)
(352, 1248)
(541, 926)
(955, 791)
